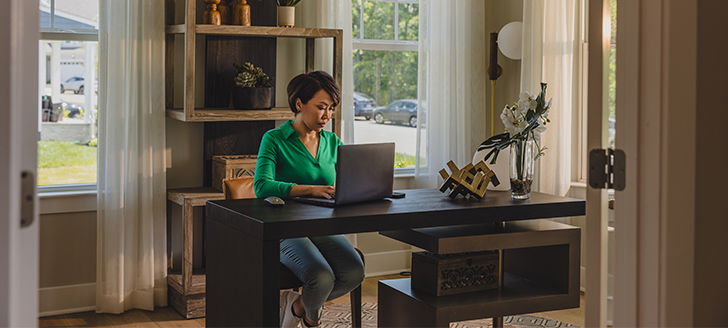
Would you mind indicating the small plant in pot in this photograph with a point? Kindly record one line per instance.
(255, 88)
(287, 12)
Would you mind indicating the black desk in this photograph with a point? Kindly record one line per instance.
(242, 239)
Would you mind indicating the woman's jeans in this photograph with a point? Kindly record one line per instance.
(328, 266)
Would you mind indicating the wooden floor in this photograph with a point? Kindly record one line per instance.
(167, 317)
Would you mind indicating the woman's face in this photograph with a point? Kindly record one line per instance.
(317, 111)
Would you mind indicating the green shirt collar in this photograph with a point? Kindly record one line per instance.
(287, 129)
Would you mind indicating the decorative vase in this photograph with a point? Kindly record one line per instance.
(224, 10)
(241, 13)
(253, 98)
(286, 16)
(522, 156)
(211, 14)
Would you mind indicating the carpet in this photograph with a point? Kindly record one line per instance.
(339, 316)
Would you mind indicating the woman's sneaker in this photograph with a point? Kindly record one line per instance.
(288, 319)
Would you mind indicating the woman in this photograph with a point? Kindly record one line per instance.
(298, 159)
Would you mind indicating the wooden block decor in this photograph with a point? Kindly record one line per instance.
(232, 166)
(470, 181)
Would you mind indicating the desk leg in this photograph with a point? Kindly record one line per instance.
(498, 321)
(242, 278)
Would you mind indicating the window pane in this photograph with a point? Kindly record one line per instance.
(68, 126)
(70, 14)
(378, 20)
(408, 21)
(381, 80)
(355, 18)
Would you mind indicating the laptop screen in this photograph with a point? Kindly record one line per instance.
(364, 172)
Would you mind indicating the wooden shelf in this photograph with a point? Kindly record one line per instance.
(257, 31)
(218, 115)
(518, 296)
(174, 280)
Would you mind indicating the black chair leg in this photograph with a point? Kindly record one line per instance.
(355, 296)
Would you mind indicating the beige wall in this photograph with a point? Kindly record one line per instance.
(711, 220)
(67, 249)
(507, 88)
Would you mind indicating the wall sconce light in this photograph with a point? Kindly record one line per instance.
(508, 40)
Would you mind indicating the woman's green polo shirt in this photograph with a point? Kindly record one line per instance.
(283, 161)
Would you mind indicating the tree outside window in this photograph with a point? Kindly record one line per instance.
(385, 64)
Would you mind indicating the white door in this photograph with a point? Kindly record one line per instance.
(597, 131)
(18, 156)
(656, 64)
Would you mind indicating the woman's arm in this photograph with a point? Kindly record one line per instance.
(264, 182)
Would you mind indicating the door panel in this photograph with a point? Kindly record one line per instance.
(596, 199)
(19, 123)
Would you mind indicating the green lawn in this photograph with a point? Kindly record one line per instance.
(405, 160)
(63, 162)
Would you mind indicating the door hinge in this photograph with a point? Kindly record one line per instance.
(27, 198)
(606, 169)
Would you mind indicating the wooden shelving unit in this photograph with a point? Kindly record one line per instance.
(186, 285)
(190, 30)
(220, 115)
(185, 279)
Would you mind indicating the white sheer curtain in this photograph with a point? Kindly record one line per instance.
(131, 225)
(452, 82)
(549, 54)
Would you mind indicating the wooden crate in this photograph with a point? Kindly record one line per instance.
(232, 166)
(449, 274)
(189, 306)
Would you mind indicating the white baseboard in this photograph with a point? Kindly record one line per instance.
(389, 262)
(66, 299)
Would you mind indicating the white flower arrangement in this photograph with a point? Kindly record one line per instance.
(524, 120)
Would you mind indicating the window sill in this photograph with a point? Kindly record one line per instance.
(57, 202)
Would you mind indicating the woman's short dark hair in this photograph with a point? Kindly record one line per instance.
(304, 86)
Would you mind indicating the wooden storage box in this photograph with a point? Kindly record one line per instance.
(449, 274)
(232, 166)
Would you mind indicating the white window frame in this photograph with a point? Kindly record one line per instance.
(360, 43)
(579, 117)
(53, 33)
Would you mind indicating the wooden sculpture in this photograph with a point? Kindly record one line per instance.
(470, 181)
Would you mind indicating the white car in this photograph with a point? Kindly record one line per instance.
(74, 84)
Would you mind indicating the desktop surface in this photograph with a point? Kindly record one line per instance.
(421, 208)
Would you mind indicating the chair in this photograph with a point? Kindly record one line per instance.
(242, 188)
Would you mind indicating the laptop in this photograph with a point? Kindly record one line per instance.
(364, 172)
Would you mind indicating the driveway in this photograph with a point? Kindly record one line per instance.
(405, 137)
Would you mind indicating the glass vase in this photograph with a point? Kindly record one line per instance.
(521, 168)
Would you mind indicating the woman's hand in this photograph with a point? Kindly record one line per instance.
(315, 191)
(322, 191)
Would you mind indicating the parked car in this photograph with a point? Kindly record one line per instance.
(399, 111)
(363, 105)
(74, 84)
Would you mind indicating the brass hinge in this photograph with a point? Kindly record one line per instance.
(606, 169)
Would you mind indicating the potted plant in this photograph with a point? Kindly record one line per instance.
(254, 88)
(287, 12)
(524, 122)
